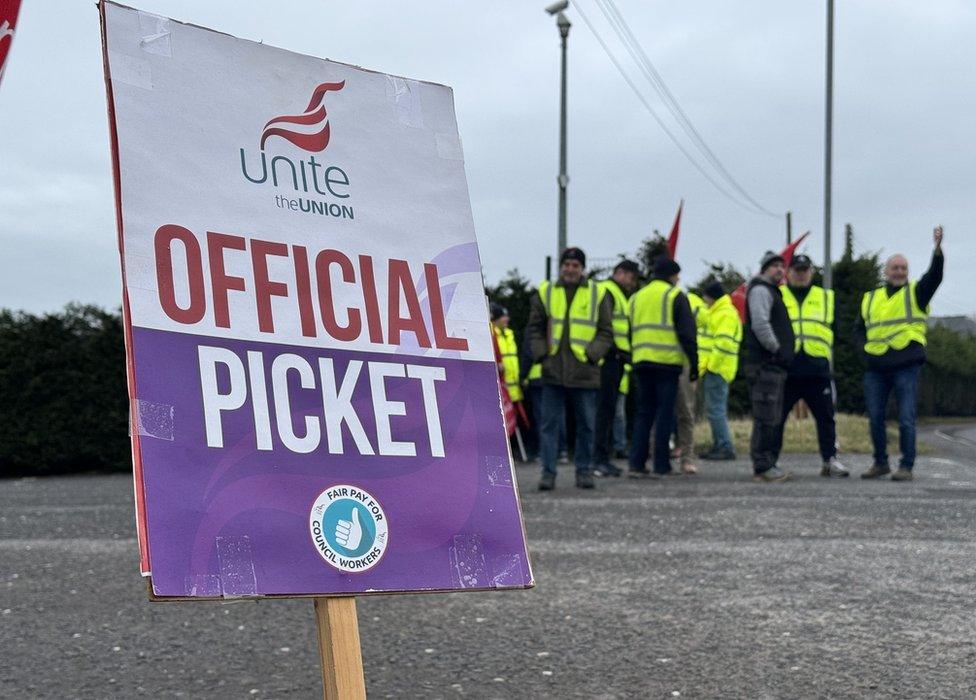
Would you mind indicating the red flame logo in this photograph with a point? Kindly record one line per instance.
(310, 130)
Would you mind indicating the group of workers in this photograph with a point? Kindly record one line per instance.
(587, 342)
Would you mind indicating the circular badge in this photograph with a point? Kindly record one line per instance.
(349, 528)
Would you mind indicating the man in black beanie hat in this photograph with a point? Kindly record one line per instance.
(769, 351)
(570, 330)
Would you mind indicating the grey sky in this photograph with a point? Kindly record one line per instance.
(749, 73)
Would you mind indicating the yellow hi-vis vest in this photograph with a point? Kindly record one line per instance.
(812, 321)
(510, 361)
(621, 321)
(582, 315)
(892, 322)
(699, 310)
(652, 334)
(725, 332)
(535, 372)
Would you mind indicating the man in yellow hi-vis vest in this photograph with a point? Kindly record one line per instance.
(662, 341)
(811, 310)
(718, 364)
(893, 326)
(618, 287)
(570, 330)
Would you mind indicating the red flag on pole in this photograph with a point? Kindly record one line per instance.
(8, 22)
(675, 229)
(739, 295)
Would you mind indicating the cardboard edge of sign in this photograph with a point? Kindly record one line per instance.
(101, 3)
(154, 598)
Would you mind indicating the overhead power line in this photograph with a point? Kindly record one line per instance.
(653, 76)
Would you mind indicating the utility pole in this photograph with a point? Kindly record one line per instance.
(828, 142)
(789, 227)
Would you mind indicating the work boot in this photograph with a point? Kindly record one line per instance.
(902, 474)
(876, 471)
(547, 482)
(584, 480)
(771, 475)
(833, 468)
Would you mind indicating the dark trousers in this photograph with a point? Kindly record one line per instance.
(606, 407)
(877, 387)
(657, 391)
(554, 399)
(766, 386)
(818, 394)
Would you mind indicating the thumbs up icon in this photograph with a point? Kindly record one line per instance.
(349, 533)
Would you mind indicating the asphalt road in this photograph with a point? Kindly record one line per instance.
(708, 586)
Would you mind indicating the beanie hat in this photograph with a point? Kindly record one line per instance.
(665, 267)
(573, 253)
(768, 258)
(627, 266)
(714, 290)
(497, 311)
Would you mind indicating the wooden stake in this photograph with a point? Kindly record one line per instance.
(341, 657)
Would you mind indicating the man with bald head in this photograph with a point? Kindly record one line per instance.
(893, 326)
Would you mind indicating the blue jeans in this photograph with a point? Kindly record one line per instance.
(877, 387)
(657, 391)
(535, 401)
(554, 399)
(717, 410)
(620, 424)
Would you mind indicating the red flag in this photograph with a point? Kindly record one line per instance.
(673, 236)
(739, 295)
(8, 22)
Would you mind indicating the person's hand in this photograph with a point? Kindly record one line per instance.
(693, 374)
(937, 237)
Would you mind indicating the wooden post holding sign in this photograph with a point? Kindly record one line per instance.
(342, 662)
(314, 401)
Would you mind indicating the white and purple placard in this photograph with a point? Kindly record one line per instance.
(315, 404)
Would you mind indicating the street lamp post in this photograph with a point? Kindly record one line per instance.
(563, 24)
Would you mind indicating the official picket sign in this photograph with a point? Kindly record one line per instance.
(315, 403)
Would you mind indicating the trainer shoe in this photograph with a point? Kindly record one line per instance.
(833, 468)
(584, 480)
(771, 475)
(688, 468)
(876, 471)
(547, 482)
(563, 458)
(902, 474)
(606, 469)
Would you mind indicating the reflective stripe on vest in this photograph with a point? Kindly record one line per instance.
(892, 322)
(508, 349)
(621, 321)
(582, 314)
(812, 321)
(653, 337)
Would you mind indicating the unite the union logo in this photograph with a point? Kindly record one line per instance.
(309, 130)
